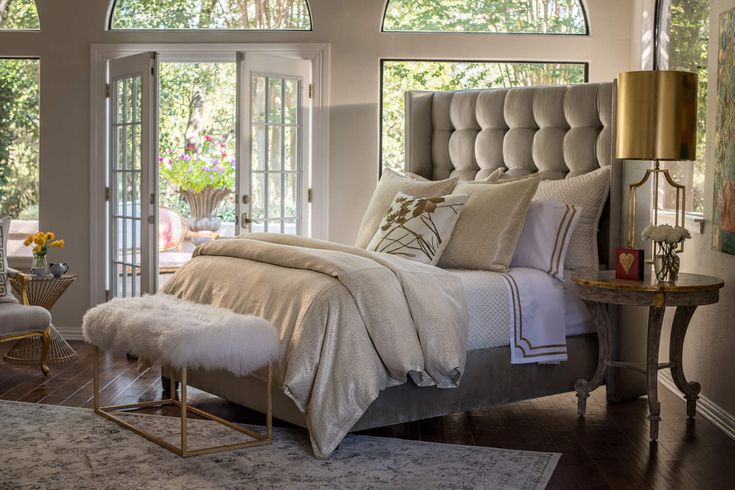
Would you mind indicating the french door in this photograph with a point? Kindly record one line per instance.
(272, 166)
(132, 90)
(274, 144)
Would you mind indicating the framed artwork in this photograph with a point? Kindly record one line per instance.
(723, 234)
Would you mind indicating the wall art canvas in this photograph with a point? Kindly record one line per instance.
(723, 234)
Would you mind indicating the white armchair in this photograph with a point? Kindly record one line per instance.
(19, 321)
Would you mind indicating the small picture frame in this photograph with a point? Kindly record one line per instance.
(629, 263)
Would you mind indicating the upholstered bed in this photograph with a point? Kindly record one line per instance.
(559, 132)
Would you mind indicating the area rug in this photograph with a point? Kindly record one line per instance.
(45, 446)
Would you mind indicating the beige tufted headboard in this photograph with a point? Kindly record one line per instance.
(560, 131)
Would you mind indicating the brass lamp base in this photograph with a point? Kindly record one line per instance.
(680, 209)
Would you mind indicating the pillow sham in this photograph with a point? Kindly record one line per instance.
(6, 295)
(391, 183)
(487, 231)
(418, 228)
(588, 192)
(546, 235)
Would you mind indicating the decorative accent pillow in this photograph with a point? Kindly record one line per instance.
(391, 183)
(490, 225)
(546, 236)
(588, 192)
(418, 228)
(6, 295)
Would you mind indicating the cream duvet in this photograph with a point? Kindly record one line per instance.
(351, 322)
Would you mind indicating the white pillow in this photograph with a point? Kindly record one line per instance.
(546, 236)
(6, 295)
(588, 192)
(391, 183)
(418, 228)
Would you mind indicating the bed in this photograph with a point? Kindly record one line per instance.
(559, 132)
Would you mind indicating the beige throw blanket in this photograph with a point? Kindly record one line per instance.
(352, 322)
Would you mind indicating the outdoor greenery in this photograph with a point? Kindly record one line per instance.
(19, 133)
(688, 45)
(197, 127)
(516, 16)
(211, 14)
(402, 76)
(18, 14)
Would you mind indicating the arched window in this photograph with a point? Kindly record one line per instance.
(494, 16)
(18, 15)
(211, 14)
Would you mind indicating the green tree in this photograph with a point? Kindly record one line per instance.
(18, 14)
(212, 14)
(19, 138)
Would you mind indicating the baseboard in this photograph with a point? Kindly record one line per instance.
(706, 408)
(70, 333)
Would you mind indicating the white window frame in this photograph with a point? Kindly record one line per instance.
(317, 53)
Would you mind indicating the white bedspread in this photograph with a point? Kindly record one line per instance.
(525, 308)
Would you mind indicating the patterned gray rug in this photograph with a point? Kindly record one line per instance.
(45, 446)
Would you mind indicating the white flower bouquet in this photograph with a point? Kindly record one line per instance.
(667, 239)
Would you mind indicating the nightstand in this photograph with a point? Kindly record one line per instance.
(599, 289)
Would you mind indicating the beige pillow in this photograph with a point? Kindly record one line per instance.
(391, 183)
(418, 228)
(589, 192)
(490, 225)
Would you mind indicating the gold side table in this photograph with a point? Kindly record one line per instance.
(45, 292)
(599, 289)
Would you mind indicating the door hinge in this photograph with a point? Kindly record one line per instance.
(107, 193)
(108, 295)
(310, 195)
(311, 90)
(107, 90)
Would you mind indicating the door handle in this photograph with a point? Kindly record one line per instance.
(246, 220)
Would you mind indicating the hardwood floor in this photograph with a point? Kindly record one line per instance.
(608, 449)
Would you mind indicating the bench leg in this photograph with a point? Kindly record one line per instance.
(166, 386)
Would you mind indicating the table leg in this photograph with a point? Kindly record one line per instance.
(655, 323)
(582, 386)
(676, 348)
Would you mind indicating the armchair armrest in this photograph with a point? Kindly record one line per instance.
(19, 282)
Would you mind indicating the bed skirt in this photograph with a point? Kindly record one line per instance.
(489, 379)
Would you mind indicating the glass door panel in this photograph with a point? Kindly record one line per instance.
(274, 116)
(129, 178)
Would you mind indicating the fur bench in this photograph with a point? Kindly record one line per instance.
(182, 335)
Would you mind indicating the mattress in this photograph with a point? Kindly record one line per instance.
(490, 312)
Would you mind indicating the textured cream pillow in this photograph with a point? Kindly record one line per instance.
(491, 222)
(418, 228)
(391, 183)
(589, 192)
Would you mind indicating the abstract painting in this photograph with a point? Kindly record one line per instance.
(723, 234)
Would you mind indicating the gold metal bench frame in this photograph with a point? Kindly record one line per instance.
(183, 450)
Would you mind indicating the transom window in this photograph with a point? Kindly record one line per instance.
(18, 15)
(494, 16)
(208, 14)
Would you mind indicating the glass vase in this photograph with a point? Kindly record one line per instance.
(40, 266)
(666, 265)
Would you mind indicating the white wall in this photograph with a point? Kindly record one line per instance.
(352, 27)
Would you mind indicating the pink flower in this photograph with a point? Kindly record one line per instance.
(208, 138)
(191, 147)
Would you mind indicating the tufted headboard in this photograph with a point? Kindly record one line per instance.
(559, 131)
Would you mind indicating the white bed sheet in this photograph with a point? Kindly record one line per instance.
(490, 313)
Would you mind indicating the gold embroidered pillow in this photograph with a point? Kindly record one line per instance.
(418, 228)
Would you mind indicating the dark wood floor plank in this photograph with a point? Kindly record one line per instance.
(608, 449)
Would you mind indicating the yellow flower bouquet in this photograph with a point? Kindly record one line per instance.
(41, 243)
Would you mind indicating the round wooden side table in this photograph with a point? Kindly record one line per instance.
(45, 292)
(598, 289)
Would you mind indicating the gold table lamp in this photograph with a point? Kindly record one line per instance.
(656, 120)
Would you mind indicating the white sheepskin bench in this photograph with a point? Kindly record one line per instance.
(182, 335)
(177, 333)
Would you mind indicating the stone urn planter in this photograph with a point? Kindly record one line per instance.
(203, 205)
